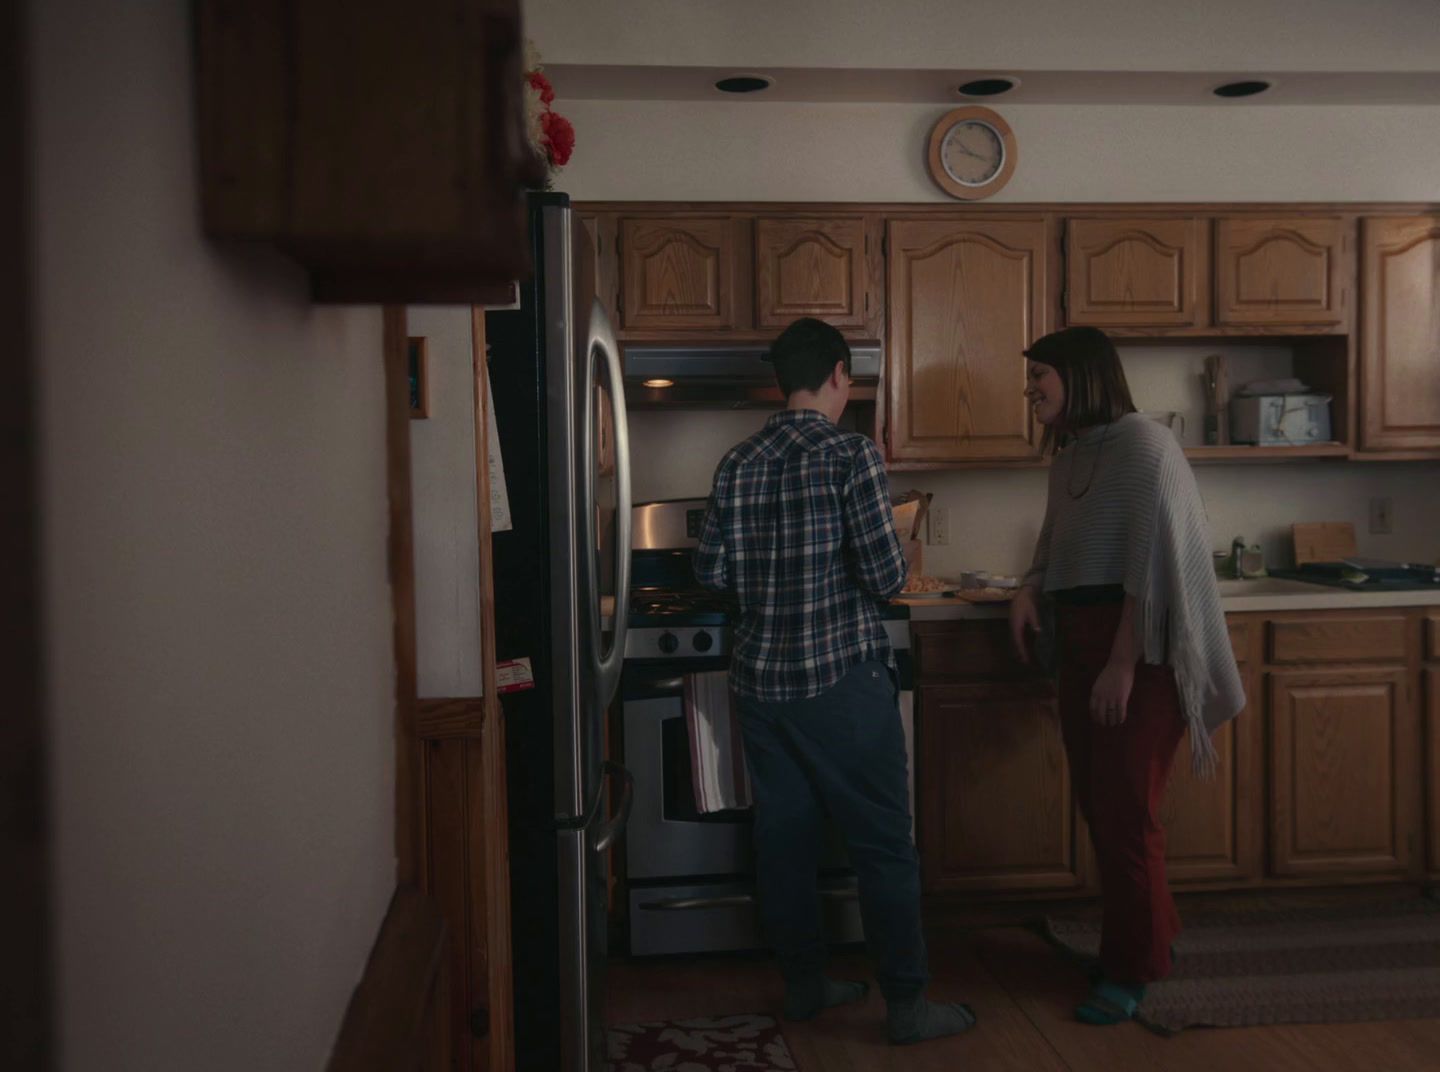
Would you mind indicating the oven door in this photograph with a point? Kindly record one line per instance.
(668, 836)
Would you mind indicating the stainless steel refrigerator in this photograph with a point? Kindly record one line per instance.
(553, 365)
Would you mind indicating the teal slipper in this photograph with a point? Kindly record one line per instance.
(1110, 1003)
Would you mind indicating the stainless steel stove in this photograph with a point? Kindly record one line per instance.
(667, 623)
(689, 877)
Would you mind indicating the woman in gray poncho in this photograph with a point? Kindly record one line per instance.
(1141, 645)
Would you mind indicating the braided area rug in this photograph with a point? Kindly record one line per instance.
(1377, 961)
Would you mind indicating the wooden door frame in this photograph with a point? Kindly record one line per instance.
(412, 848)
(409, 775)
(25, 979)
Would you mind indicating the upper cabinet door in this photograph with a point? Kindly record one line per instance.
(965, 298)
(811, 267)
(1400, 340)
(1137, 273)
(683, 273)
(1280, 272)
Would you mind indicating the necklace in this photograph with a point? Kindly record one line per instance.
(1095, 468)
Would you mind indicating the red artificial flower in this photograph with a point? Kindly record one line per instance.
(540, 84)
(559, 137)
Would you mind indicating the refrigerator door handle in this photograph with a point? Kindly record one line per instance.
(607, 834)
(607, 663)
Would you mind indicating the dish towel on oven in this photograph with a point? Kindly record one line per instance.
(717, 756)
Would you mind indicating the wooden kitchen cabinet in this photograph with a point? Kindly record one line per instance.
(1212, 825)
(684, 274)
(1330, 775)
(1275, 273)
(965, 297)
(1344, 771)
(817, 266)
(1430, 691)
(1352, 637)
(1137, 273)
(380, 145)
(1400, 334)
(996, 810)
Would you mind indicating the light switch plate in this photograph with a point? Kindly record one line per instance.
(1380, 516)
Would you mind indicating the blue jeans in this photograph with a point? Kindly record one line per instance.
(841, 753)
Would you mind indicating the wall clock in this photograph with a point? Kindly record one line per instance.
(972, 153)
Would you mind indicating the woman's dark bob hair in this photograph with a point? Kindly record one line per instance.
(1095, 387)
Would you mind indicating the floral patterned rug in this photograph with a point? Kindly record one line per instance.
(715, 1044)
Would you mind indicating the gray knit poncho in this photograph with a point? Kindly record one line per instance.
(1123, 509)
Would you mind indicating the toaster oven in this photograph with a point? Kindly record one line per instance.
(1280, 420)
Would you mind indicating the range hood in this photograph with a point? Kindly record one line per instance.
(733, 375)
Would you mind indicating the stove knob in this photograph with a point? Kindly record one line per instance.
(704, 641)
(669, 643)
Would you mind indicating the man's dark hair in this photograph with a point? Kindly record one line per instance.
(806, 353)
(1095, 387)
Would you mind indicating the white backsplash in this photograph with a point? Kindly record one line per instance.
(995, 514)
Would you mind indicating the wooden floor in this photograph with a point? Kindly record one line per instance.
(1023, 994)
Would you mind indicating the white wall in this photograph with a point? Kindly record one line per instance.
(794, 151)
(1061, 35)
(442, 466)
(218, 619)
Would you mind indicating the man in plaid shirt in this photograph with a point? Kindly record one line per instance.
(800, 528)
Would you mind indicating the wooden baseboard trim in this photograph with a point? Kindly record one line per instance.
(388, 1023)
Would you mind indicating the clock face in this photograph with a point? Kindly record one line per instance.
(972, 152)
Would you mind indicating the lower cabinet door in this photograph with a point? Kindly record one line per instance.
(1431, 678)
(996, 810)
(1212, 823)
(1344, 772)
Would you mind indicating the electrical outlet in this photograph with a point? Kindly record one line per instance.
(939, 526)
(1380, 517)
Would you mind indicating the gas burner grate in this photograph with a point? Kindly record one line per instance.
(662, 602)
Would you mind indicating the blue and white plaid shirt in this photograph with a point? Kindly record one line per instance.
(800, 528)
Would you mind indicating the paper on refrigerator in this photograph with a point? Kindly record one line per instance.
(499, 498)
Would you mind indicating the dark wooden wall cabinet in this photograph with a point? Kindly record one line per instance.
(1401, 334)
(1430, 683)
(1330, 775)
(382, 145)
(955, 293)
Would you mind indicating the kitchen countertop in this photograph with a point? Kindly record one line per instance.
(1265, 593)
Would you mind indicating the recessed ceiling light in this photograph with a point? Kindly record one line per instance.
(744, 83)
(659, 383)
(1241, 89)
(987, 87)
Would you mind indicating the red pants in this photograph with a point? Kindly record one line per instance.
(1119, 774)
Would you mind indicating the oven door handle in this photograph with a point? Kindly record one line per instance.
(686, 904)
(735, 900)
